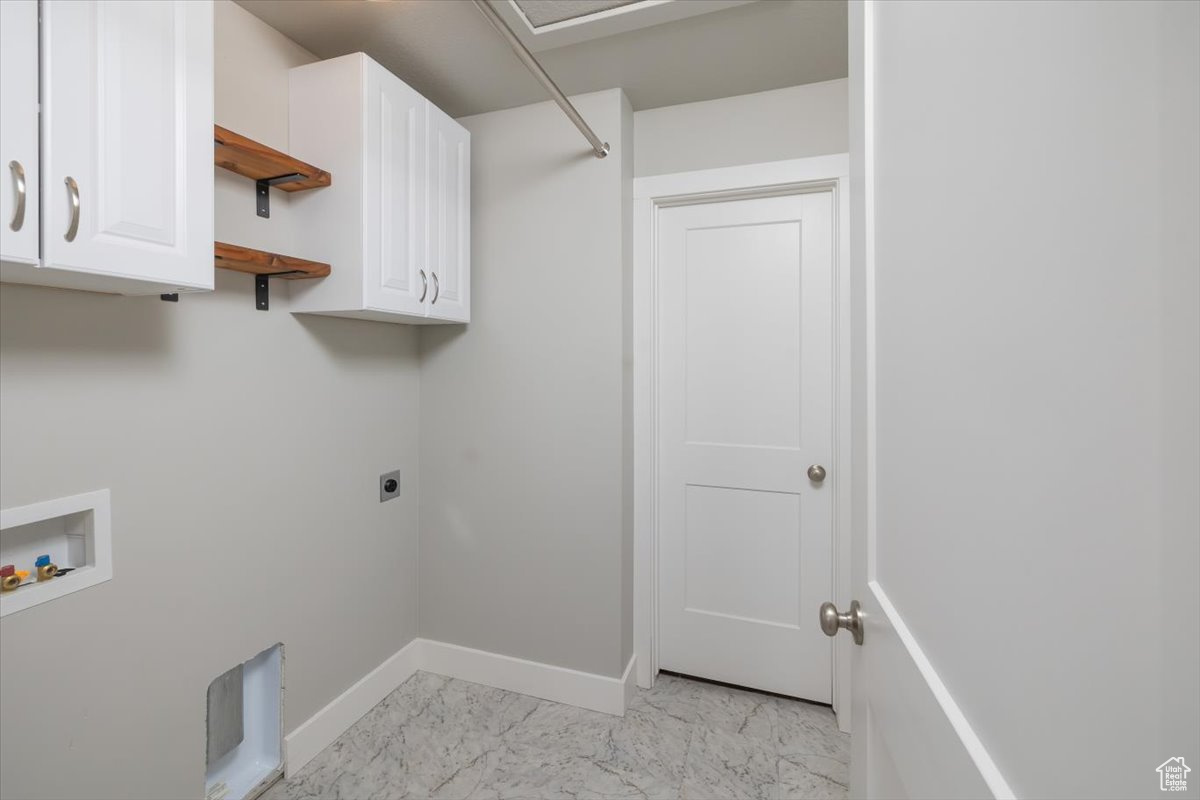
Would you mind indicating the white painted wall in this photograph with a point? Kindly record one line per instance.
(1037, 350)
(795, 122)
(523, 540)
(242, 449)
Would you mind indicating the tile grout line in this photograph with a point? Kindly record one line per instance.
(687, 753)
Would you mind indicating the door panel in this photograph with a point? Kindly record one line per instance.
(395, 228)
(918, 748)
(718, 566)
(986, 453)
(19, 129)
(128, 110)
(909, 737)
(726, 365)
(448, 223)
(745, 407)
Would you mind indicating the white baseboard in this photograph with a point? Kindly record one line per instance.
(629, 681)
(583, 689)
(562, 685)
(324, 727)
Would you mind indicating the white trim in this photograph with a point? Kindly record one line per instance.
(860, 22)
(583, 689)
(747, 176)
(843, 445)
(650, 194)
(629, 681)
(958, 721)
(99, 543)
(323, 728)
(562, 685)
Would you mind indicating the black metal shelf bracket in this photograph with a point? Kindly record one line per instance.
(262, 292)
(262, 191)
(262, 288)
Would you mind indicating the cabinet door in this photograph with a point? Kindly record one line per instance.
(396, 277)
(127, 162)
(19, 131)
(448, 217)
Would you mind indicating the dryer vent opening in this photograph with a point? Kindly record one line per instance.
(244, 753)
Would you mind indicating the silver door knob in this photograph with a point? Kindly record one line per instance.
(832, 621)
(816, 473)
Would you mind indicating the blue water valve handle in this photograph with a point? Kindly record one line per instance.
(42, 561)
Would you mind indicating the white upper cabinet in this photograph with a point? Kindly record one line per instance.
(395, 223)
(126, 146)
(19, 131)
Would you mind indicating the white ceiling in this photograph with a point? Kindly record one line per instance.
(448, 52)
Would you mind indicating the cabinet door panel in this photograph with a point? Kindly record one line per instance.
(395, 182)
(19, 130)
(448, 217)
(128, 112)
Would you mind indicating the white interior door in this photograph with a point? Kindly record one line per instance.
(1029, 337)
(911, 739)
(745, 408)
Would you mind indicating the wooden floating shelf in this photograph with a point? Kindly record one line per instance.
(258, 162)
(260, 262)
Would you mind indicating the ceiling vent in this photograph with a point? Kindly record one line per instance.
(547, 24)
(547, 12)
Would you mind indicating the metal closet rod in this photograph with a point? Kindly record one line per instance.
(598, 147)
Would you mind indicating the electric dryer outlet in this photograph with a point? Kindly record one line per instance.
(389, 486)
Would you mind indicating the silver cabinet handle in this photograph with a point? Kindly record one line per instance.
(18, 173)
(816, 473)
(424, 287)
(73, 228)
(832, 621)
(437, 289)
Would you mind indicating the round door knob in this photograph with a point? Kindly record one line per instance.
(816, 473)
(832, 621)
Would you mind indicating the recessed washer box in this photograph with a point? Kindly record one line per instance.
(75, 531)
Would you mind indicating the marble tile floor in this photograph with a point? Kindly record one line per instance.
(437, 737)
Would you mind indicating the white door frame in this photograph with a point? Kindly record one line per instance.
(650, 194)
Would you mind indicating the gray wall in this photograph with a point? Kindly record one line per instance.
(627, 158)
(242, 449)
(795, 122)
(523, 546)
(1179, 295)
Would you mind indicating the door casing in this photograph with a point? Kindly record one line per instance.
(650, 195)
